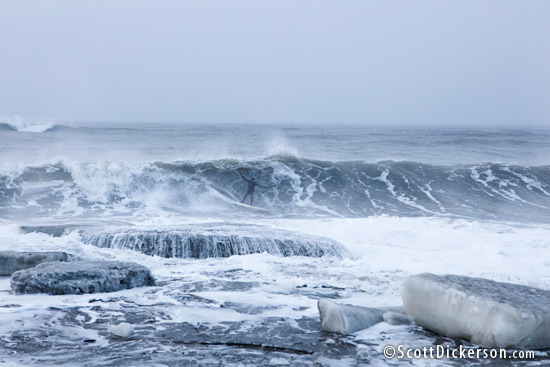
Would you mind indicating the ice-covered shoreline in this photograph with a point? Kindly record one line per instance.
(223, 296)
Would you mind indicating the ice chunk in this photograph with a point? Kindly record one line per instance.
(81, 277)
(347, 319)
(123, 329)
(483, 311)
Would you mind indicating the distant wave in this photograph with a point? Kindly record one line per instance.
(7, 127)
(56, 128)
(32, 127)
(294, 187)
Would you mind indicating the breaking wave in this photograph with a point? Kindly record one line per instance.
(31, 126)
(294, 187)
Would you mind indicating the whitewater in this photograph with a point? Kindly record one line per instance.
(348, 212)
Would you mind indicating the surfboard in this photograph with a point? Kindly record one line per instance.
(252, 207)
(228, 198)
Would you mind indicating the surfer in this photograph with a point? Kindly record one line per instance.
(250, 190)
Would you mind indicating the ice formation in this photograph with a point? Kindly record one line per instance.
(123, 329)
(81, 277)
(347, 319)
(483, 311)
(198, 242)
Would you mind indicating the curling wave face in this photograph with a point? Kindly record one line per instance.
(295, 187)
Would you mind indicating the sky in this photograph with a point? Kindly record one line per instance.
(300, 61)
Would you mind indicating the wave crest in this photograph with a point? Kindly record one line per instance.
(294, 187)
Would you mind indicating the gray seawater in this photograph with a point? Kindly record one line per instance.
(151, 142)
(308, 171)
(165, 195)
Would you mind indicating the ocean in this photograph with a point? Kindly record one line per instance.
(346, 212)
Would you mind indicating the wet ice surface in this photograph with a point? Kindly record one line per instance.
(81, 277)
(261, 309)
(78, 334)
(192, 322)
(483, 311)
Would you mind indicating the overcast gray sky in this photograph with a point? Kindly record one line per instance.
(425, 62)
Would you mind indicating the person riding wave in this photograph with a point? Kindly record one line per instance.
(251, 185)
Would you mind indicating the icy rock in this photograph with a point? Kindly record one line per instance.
(123, 329)
(12, 261)
(210, 240)
(347, 319)
(81, 277)
(483, 311)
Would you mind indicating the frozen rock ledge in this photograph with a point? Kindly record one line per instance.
(483, 311)
(81, 277)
